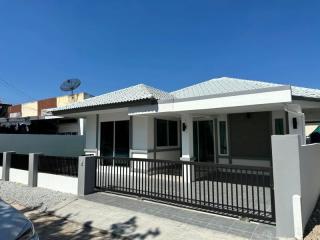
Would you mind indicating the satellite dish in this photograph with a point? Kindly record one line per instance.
(70, 85)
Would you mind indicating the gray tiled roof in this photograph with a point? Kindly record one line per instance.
(130, 94)
(220, 86)
(305, 92)
(233, 85)
(211, 87)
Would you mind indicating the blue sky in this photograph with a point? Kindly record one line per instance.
(166, 44)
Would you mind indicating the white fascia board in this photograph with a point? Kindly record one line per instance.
(278, 95)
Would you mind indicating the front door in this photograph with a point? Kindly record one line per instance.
(114, 139)
(203, 141)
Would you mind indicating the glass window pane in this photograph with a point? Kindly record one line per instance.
(122, 139)
(223, 137)
(106, 139)
(279, 126)
(162, 133)
(173, 133)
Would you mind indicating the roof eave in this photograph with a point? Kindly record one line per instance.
(311, 99)
(105, 107)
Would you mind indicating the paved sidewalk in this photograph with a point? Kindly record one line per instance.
(138, 219)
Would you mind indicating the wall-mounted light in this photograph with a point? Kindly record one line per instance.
(184, 126)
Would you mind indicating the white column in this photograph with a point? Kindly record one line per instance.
(296, 121)
(187, 137)
(187, 148)
(142, 137)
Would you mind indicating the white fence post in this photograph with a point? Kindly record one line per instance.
(6, 164)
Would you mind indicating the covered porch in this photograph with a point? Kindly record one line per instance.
(230, 129)
(240, 136)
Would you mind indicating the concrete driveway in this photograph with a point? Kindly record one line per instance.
(84, 219)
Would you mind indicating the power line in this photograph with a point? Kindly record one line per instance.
(18, 90)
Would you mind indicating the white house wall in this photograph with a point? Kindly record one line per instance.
(142, 133)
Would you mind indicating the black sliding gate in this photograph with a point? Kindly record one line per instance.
(240, 191)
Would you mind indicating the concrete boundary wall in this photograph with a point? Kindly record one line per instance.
(18, 176)
(33, 178)
(54, 145)
(0, 172)
(296, 183)
(59, 183)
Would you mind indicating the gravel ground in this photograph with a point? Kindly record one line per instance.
(312, 230)
(40, 198)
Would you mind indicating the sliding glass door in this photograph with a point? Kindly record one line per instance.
(114, 139)
(203, 141)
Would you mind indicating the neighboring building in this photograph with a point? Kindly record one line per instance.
(4, 110)
(223, 120)
(33, 117)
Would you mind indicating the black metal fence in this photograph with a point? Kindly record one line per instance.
(1, 158)
(67, 166)
(225, 189)
(20, 161)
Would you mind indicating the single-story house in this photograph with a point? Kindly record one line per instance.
(223, 120)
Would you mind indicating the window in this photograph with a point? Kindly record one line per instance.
(223, 144)
(279, 126)
(167, 133)
(173, 133)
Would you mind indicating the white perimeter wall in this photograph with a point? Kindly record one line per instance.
(56, 145)
(296, 171)
(59, 183)
(310, 179)
(0, 172)
(18, 175)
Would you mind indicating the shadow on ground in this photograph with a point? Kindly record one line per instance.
(49, 226)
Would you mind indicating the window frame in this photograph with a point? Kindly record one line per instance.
(167, 133)
(225, 120)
